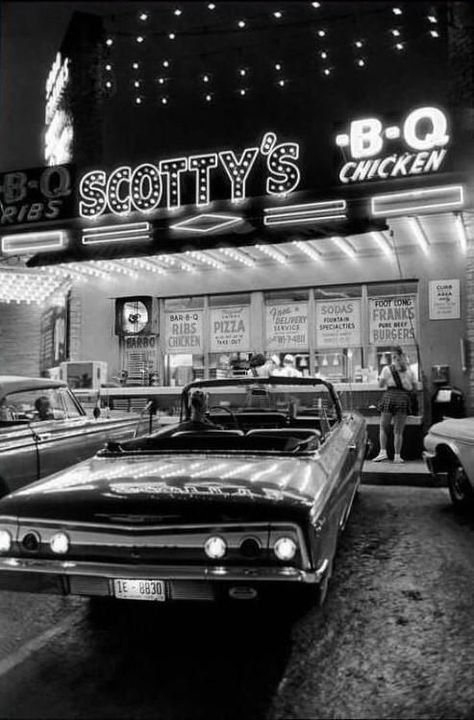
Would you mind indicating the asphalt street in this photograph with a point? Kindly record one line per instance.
(394, 639)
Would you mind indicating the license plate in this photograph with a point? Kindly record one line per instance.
(140, 589)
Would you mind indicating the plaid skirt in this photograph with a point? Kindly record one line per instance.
(395, 401)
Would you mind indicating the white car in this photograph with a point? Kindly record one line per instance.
(449, 451)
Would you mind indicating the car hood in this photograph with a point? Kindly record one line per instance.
(455, 428)
(186, 488)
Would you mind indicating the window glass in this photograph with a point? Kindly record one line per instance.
(194, 301)
(234, 299)
(297, 295)
(70, 406)
(36, 405)
(338, 291)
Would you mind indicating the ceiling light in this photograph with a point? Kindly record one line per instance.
(419, 234)
(461, 232)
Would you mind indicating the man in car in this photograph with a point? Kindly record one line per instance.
(43, 408)
(198, 421)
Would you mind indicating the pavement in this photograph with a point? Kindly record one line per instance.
(412, 473)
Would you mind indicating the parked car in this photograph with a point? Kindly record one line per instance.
(250, 508)
(449, 453)
(44, 428)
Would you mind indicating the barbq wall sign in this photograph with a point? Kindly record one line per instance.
(423, 132)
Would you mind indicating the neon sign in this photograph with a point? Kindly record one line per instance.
(58, 123)
(424, 132)
(143, 188)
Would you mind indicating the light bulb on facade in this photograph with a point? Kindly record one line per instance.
(144, 16)
(140, 38)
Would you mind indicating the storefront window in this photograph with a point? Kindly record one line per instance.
(229, 335)
(393, 320)
(183, 342)
(339, 333)
(286, 326)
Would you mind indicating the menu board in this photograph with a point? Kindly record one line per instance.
(183, 332)
(393, 319)
(230, 328)
(338, 323)
(444, 300)
(286, 326)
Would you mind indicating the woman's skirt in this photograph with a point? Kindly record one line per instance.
(395, 401)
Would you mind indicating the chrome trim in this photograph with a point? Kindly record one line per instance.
(28, 524)
(159, 572)
(319, 572)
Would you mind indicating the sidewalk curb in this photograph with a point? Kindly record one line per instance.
(403, 479)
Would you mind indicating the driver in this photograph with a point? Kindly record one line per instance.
(198, 420)
(43, 408)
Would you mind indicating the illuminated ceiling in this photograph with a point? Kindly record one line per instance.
(406, 234)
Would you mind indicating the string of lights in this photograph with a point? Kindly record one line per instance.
(323, 52)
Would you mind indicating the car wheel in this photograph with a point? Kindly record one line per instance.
(460, 489)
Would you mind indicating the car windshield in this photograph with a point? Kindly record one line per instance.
(290, 399)
(247, 415)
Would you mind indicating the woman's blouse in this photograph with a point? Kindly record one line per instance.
(406, 378)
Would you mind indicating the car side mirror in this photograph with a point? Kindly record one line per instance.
(96, 412)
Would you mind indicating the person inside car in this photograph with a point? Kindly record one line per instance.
(43, 408)
(198, 420)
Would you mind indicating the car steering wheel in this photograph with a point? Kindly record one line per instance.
(223, 407)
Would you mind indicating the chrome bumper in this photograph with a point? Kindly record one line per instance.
(83, 578)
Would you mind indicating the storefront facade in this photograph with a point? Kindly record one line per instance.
(180, 266)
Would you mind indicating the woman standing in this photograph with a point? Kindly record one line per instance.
(399, 381)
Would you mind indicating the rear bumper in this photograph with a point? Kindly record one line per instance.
(182, 583)
(429, 460)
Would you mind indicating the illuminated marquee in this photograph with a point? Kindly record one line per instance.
(424, 132)
(143, 188)
(58, 122)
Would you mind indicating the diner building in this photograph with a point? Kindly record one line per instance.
(240, 189)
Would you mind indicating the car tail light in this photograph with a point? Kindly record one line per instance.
(215, 547)
(5, 541)
(59, 543)
(285, 548)
(31, 541)
(250, 548)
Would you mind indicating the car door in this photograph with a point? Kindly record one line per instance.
(19, 460)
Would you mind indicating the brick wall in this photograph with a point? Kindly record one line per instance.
(20, 339)
(461, 61)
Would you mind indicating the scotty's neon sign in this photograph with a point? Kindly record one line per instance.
(143, 188)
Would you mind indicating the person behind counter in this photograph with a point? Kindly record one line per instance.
(398, 381)
(289, 368)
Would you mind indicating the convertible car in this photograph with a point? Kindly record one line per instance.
(449, 453)
(247, 506)
(44, 428)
